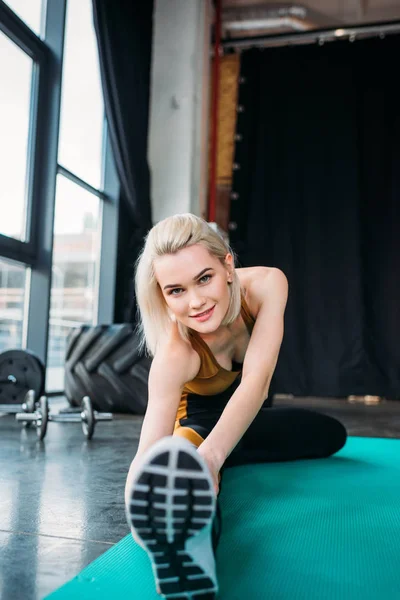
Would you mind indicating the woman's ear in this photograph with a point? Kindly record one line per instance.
(229, 266)
(229, 262)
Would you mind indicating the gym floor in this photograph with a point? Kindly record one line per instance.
(61, 499)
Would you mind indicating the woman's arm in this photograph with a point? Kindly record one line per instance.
(171, 368)
(174, 365)
(271, 291)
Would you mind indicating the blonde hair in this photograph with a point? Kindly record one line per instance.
(168, 237)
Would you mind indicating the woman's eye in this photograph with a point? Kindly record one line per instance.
(177, 291)
(207, 277)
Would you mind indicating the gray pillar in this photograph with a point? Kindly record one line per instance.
(178, 131)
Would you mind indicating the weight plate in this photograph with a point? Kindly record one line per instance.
(88, 421)
(28, 371)
(41, 423)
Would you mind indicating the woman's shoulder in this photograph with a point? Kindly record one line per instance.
(176, 353)
(248, 275)
(259, 283)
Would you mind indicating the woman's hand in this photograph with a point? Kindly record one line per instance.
(213, 463)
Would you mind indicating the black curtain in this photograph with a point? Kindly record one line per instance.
(318, 184)
(124, 36)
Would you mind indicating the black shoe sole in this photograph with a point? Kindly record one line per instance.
(171, 510)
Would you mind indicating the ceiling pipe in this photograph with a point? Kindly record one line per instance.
(270, 23)
(275, 16)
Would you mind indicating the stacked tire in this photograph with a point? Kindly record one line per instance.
(104, 363)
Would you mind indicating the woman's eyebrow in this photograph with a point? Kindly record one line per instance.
(174, 285)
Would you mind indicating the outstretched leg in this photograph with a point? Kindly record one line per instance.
(286, 433)
(170, 507)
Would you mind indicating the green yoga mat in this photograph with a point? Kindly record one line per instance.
(304, 530)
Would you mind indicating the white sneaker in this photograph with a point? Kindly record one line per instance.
(171, 510)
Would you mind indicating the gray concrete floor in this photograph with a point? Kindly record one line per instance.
(61, 500)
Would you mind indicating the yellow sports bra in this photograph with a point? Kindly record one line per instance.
(212, 378)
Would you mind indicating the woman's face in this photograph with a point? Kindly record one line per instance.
(195, 287)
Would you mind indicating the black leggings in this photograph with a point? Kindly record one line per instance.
(281, 434)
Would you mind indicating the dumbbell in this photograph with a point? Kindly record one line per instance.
(28, 405)
(87, 417)
(39, 417)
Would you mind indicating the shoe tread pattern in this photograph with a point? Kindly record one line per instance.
(189, 511)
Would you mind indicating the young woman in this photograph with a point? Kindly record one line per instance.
(214, 332)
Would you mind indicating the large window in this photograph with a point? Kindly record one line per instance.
(15, 98)
(58, 185)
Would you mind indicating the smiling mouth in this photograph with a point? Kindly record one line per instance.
(206, 312)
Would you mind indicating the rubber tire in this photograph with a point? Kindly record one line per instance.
(103, 362)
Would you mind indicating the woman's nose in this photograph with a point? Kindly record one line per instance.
(196, 301)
